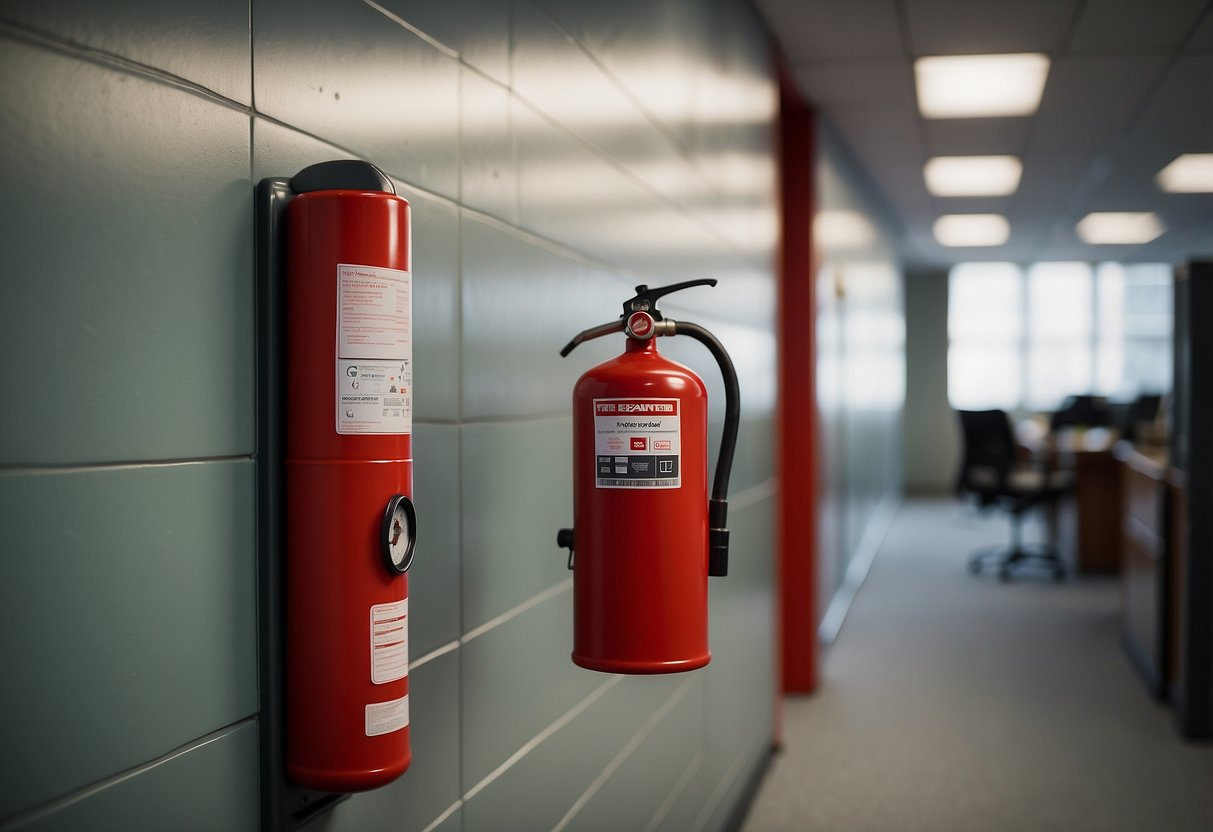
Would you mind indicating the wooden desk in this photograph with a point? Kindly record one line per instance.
(1083, 524)
(1144, 575)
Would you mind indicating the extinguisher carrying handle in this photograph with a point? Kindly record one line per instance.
(718, 505)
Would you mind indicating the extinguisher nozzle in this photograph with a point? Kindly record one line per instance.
(718, 538)
(718, 553)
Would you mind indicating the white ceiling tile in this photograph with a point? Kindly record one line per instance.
(1088, 101)
(976, 136)
(1133, 25)
(823, 31)
(834, 86)
(1202, 40)
(970, 27)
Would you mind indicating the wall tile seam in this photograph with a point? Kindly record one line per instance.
(753, 495)
(446, 813)
(350, 153)
(727, 779)
(56, 804)
(626, 274)
(544, 7)
(541, 597)
(45, 469)
(446, 49)
(686, 211)
(680, 786)
(450, 52)
(543, 736)
(52, 42)
(638, 737)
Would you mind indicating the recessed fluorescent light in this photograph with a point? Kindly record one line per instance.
(972, 175)
(1117, 228)
(972, 230)
(1191, 173)
(972, 86)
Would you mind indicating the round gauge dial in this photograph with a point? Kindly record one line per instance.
(399, 534)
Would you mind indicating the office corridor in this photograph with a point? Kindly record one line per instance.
(956, 702)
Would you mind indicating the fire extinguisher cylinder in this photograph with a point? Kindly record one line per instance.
(647, 536)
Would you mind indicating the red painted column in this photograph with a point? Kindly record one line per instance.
(797, 412)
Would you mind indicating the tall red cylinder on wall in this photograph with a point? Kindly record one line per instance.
(349, 520)
(640, 496)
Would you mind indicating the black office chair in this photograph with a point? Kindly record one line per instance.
(1082, 411)
(990, 471)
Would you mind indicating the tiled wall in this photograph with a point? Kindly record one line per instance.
(860, 368)
(555, 154)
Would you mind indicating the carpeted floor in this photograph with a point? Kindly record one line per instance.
(956, 702)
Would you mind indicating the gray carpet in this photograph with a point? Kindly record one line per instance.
(956, 702)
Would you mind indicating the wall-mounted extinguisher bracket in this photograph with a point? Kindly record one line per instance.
(646, 542)
(336, 522)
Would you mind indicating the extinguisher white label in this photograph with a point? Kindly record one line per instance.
(374, 350)
(389, 641)
(386, 717)
(637, 443)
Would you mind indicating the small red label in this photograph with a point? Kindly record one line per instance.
(661, 444)
(640, 443)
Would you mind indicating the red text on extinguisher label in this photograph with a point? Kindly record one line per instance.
(389, 641)
(637, 443)
(374, 350)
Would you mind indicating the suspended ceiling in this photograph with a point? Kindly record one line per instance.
(1129, 89)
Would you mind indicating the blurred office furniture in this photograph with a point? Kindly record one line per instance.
(1151, 563)
(1082, 523)
(993, 473)
(1132, 419)
(1191, 450)
(1082, 411)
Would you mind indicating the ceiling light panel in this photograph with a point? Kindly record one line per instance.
(957, 230)
(1119, 228)
(976, 86)
(972, 175)
(1191, 173)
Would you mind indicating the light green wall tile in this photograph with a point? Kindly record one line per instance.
(393, 99)
(212, 785)
(215, 55)
(134, 592)
(517, 679)
(128, 247)
(431, 784)
(517, 483)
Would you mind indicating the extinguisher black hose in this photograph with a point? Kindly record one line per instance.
(718, 505)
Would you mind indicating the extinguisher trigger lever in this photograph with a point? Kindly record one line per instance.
(646, 298)
(564, 539)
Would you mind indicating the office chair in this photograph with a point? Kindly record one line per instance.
(1082, 411)
(989, 471)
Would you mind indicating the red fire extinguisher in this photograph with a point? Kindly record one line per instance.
(646, 535)
(350, 522)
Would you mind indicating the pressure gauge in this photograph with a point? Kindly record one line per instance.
(399, 534)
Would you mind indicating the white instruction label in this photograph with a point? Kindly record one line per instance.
(374, 350)
(637, 443)
(389, 641)
(386, 717)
